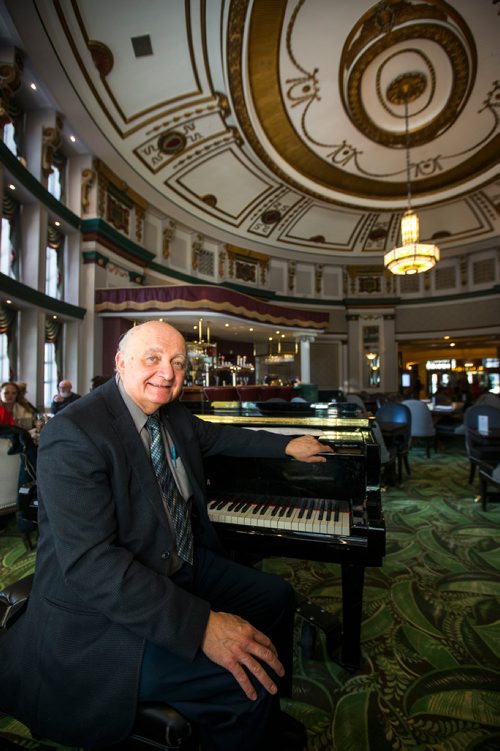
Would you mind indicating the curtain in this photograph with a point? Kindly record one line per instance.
(53, 334)
(12, 211)
(8, 325)
(56, 239)
(16, 116)
(59, 161)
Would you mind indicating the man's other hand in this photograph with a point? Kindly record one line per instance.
(235, 644)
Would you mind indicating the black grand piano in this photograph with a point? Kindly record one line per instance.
(327, 511)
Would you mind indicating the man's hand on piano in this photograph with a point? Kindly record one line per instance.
(233, 643)
(307, 448)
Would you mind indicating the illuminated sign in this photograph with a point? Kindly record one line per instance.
(440, 364)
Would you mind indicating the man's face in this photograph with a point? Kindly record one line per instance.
(152, 365)
(65, 388)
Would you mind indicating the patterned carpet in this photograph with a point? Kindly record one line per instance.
(430, 678)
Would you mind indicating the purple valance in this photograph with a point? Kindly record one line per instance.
(205, 298)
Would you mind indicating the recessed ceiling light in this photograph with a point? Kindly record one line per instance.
(226, 325)
(8, 302)
(33, 86)
(251, 328)
(72, 139)
(55, 318)
(452, 344)
(58, 224)
(446, 337)
(12, 187)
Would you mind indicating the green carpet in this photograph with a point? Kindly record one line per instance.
(431, 628)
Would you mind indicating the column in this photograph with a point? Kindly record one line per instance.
(305, 356)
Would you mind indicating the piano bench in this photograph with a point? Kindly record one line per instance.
(315, 617)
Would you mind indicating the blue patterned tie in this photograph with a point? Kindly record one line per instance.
(176, 505)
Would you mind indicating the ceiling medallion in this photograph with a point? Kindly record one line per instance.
(271, 216)
(395, 35)
(412, 256)
(172, 142)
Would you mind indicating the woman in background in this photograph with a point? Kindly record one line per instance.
(22, 416)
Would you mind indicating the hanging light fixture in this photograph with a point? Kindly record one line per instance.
(412, 256)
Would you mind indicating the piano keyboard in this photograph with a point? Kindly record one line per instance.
(310, 515)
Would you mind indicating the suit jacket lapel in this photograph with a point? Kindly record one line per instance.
(133, 446)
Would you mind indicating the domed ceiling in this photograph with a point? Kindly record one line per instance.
(279, 125)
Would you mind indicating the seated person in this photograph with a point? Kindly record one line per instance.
(133, 598)
(22, 398)
(9, 395)
(63, 397)
(5, 416)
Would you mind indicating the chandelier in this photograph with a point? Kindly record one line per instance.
(412, 256)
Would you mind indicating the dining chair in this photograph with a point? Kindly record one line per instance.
(422, 426)
(482, 435)
(10, 466)
(394, 419)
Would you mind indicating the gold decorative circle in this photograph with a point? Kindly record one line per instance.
(406, 88)
(367, 47)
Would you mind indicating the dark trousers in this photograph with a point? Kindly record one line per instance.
(207, 693)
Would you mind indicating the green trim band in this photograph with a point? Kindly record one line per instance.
(101, 231)
(19, 171)
(39, 299)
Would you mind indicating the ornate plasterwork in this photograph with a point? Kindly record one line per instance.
(11, 66)
(252, 137)
(243, 264)
(51, 141)
(295, 101)
(88, 181)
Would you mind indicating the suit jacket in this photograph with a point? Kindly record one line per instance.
(71, 663)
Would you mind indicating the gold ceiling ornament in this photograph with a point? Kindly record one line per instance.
(412, 256)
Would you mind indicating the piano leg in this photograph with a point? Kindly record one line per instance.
(353, 577)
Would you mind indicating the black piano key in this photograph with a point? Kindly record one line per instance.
(337, 512)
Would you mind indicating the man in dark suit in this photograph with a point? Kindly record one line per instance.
(119, 611)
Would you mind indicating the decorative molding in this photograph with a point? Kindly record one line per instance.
(243, 264)
(196, 246)
(102, 57)
(318, 274)
(88, 181)
(11, 67)
(167, 236)
(51, 141)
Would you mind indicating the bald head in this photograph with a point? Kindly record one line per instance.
(151, 362)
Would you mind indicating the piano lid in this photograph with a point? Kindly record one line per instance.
(323, 423)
